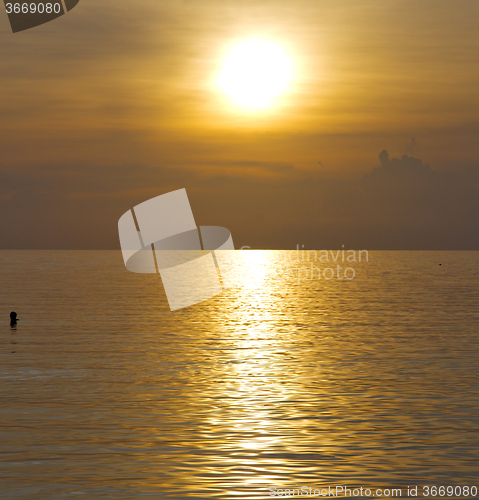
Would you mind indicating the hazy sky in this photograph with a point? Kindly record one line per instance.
(117, 102)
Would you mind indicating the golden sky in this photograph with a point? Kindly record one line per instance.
(118, 83)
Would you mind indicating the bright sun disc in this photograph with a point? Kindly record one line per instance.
(255, 73)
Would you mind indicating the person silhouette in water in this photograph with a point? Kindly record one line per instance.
(13, 318)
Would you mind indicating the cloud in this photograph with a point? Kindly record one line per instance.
(405, 169)
(402, 203)
(411, 146)
(409, 205)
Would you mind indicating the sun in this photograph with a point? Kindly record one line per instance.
(255, 73)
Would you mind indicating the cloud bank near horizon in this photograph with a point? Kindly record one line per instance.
(400, 204)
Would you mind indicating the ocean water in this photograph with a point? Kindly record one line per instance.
(282, 382)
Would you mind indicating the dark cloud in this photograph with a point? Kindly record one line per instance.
(400, 204)
(409, 205)
(411, 146)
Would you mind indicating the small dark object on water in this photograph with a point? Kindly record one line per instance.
(440, 264)
(13, 318)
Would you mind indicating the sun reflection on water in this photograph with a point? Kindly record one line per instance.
(257, 349)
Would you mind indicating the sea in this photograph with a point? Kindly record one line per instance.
(314, 377)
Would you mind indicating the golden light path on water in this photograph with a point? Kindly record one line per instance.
(280, 381)
(256, 374)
